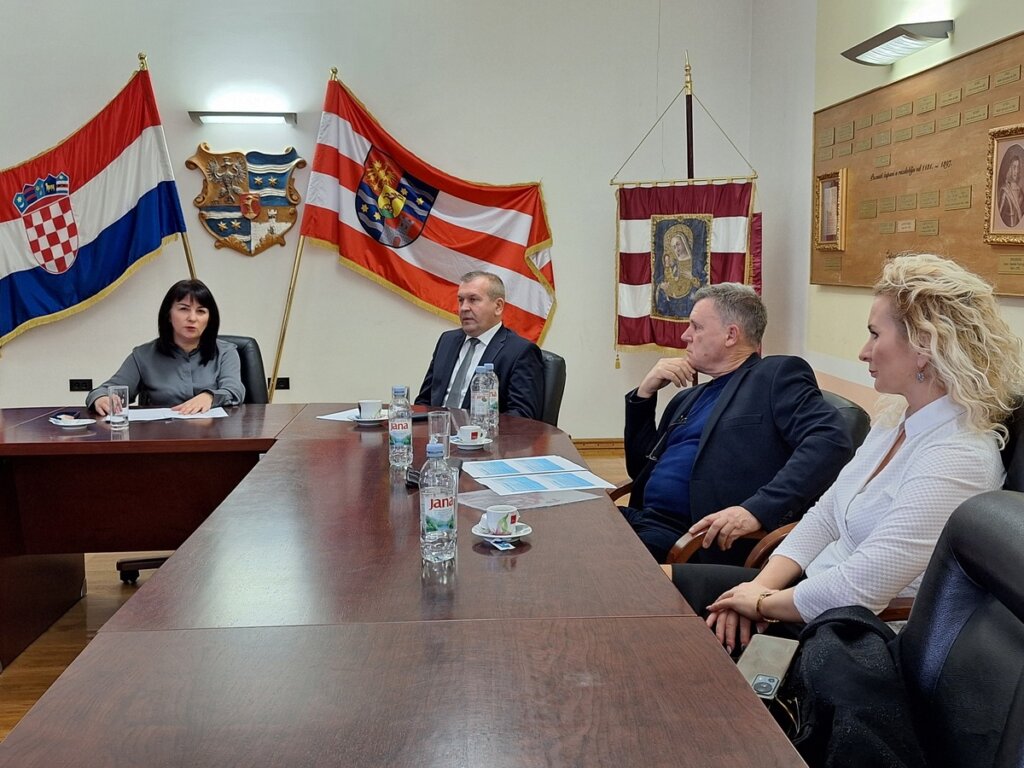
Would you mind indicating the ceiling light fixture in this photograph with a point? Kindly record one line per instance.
(244, 118)
(899, 41)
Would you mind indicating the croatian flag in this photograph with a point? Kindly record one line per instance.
(415, 230)
(78, 219)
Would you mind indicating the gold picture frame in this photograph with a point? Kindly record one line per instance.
(830, 211)
(1004, 192)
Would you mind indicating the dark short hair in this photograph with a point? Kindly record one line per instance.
(495, 285)
(739, 304)
(197, 290)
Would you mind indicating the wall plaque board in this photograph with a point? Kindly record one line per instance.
(934, 127)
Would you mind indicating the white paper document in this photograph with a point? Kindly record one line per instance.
(549, 481)
(348, 415)
(483, 499)
(165, 414)
(528, 465)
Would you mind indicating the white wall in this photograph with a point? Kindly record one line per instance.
(837, 316)
(496, 92)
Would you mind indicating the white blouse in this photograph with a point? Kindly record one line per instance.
(866, 542)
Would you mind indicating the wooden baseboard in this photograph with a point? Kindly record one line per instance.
(599, 445)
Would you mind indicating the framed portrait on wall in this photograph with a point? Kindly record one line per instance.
(830, 211)
(1004, 197)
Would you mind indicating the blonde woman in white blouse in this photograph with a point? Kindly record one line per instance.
(936, 339)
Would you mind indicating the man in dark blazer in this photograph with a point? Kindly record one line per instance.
(749, 450)
(483, 338)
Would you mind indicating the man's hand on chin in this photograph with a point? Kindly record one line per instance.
(726, 526)
(668, 370)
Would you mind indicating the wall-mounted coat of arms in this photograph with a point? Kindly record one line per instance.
(248, 199)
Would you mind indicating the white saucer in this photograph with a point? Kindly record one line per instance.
(72, 423)
(470, 446)
(522, 529)
(367, 422)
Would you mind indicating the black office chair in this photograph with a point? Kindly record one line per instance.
(855, 418)
(961, 653)
(254, 379)
(554, 386)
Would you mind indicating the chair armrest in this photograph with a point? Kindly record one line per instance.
(769, 541)
(620, 491)
(897, 610)
(687, 545)
(685, 548)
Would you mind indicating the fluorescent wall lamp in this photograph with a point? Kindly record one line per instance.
(902, 40)
(244, 118)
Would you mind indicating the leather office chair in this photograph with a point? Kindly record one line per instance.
(254, 379)
(857, 424)
(554, 386)
(961, 654)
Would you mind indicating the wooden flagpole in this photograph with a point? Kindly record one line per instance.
(287, 313)
(688, 87)
(291, 295)
(143, 66)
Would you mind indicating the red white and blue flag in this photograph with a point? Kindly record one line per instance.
(415, 229)
(707, 232)
(76, 220)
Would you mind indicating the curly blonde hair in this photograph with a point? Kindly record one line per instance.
(952, 316)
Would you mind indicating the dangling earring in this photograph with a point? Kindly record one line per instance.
(920, 377)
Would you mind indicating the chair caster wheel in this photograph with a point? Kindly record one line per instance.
(129, 577)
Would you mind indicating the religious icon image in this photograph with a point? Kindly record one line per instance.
(1004, 200)
(679, 263)
(1011, 195)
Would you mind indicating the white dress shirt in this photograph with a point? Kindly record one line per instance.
(478, 353)
(867, 541)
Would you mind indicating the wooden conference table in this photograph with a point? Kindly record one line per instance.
(298, 626)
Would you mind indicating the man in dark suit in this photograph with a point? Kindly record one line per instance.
(749, 450)
(483, 339)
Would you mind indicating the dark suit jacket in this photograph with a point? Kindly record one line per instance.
(517, 362)
(771, 444)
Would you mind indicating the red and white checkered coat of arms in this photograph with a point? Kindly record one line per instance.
(50, 224)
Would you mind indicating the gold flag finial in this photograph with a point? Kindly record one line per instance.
(688, 86)
(143, 64)
(334, 73)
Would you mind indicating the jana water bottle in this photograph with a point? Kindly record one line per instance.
(492, 412)
(400, 428)
(479, 399)
(439, 496)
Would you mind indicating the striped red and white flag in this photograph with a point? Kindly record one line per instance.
(672, 240)
(415, 229)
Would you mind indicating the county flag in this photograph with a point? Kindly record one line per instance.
(415, 229)
(76, 220)
(672, 240)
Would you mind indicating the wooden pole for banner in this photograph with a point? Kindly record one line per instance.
(287, 314)
(188, 256)
(688, 88)
(143, 66)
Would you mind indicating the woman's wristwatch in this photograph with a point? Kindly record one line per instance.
(757, 607)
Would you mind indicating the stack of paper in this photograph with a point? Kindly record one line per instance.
(533, 474)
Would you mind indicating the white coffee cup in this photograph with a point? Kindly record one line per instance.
(470, 434)
(369, 409)
(501, 519)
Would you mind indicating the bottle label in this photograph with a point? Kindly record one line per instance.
(438, 510)
(400, 432)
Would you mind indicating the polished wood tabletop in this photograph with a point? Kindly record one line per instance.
(324, 533)
(28, 432)
(297, 625)
(452, 694)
